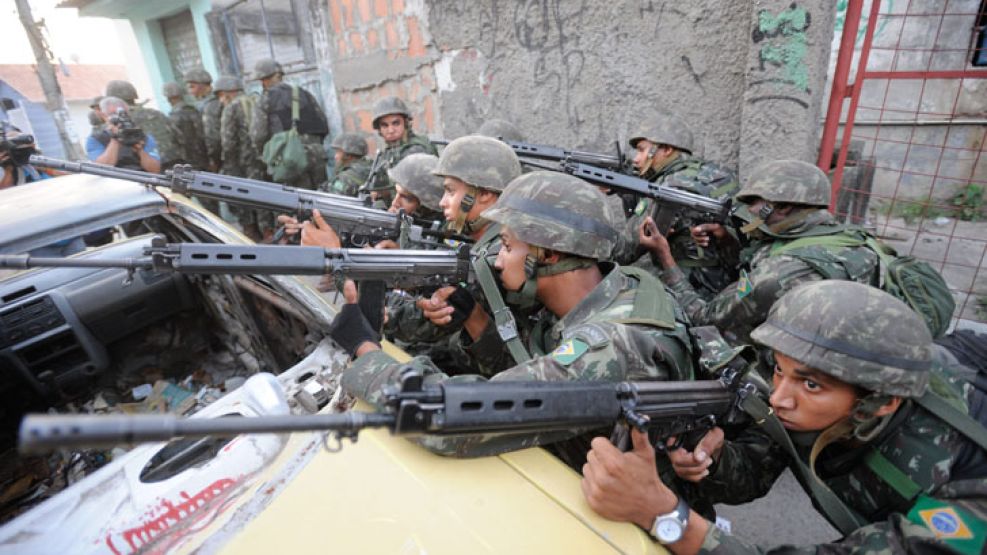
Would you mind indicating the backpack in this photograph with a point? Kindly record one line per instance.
(907, 278)
(285, 153)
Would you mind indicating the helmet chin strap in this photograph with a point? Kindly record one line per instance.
(465, 205)
(524, 297)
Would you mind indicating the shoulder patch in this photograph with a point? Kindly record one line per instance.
(952, 525)
(744, 286)
(593, 335)
(569, 351)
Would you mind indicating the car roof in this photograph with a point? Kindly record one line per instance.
(49, 210)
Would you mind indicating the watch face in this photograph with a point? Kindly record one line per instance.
(668, 530)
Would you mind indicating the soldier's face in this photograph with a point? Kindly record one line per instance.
(453, 191)
(647, 154)
(510, 260)
(391, 127)
(805, 399)
(197, 90)
(404, 200)
(337, 155)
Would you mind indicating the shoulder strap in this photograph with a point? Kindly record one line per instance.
(503, 317)
(962, 422)
(836, 240)
(892, 475)
(295, 109)
(650, 307)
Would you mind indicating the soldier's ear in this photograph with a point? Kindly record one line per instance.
(888, 408)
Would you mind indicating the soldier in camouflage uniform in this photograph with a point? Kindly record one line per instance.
(198, 82)
(392, 120)
(782, 202)
(352, 165)
(418, 190)
(601, 322)
(863, 405)
(239, 156)
(663, 147)
(188, 122)
(152, 122)
(273, 114)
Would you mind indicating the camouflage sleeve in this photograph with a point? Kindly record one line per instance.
(407, 322)
(489, 351)
(229, 139)
(744, 304)
(746, 469)
(211, 122)
(594, 351)
(259, 127)
(191, 138)
(895, 535)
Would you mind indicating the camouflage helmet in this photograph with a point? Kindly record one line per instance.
(853, 332)
(787, 181)
(556, 211)
(95, 102)
(387, 106)
(197, 75)
(414, 173)
(500, 129)
(172, 89)
(350, 143)
(482, 162)
(266, 68)
(227, 83)
(123, 90)
(664, 129)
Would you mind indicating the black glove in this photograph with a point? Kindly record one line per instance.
(350, 329)
(462, 302)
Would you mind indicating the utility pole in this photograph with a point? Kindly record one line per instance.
(54, 101)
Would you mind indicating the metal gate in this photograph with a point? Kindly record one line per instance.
(905, 137)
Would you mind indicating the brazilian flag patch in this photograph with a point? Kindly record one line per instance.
(744, 285)
(569, 352)
(951, 525)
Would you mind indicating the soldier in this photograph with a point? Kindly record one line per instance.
(782, 201)
(555, 230)
(151, 121)
(663, 147)
(109, 147)
(188, 121)
(198, 82)
(352, 165)
(418, 191)
(501, 129)
(392, 120)
(896, 462)
(273, 114)
(239, 157)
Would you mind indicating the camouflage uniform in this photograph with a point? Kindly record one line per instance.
(153, 123)
(272, 114)
(865, 337)
(707, 270)
(626, 328)
(188, 123)
(239, 157)
(351, 174)
(212, 117)
(744, 304)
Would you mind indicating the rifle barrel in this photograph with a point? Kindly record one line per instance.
(23, 261)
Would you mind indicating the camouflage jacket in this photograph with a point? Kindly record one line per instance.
(239, 156)
(158, 125)
(625, 329)
(188, 122)
(394, 153)
(744, 304)
(947, 467)
(212, 113)
(349, 177)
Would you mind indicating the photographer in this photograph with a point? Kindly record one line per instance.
(121, 143)
(15, 150)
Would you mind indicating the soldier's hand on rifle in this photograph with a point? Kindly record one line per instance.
(318, 233)
(625, 486)
(387, 244)
(649, 238)
(694, 466)
(290, 224)
(703, 234)
(350, 329)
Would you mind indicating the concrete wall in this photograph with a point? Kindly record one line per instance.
(747, 75)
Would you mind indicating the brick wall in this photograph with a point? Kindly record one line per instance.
(382, 48)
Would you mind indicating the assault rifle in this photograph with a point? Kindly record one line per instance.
(356, 223)
(557, 154)
(670, 203)
(664, 409)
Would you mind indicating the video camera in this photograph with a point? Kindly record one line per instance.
(127, 131)
(18, 148)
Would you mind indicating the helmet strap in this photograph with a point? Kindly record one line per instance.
(525, 297)
(465, 205)
(866, 425)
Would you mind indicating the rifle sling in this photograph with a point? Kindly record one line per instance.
(843, 517)
(503, 318)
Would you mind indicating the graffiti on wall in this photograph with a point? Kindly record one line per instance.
(781, 44)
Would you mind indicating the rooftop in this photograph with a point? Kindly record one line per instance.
(83, 82)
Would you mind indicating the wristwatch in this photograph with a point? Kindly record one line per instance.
(670, 527)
